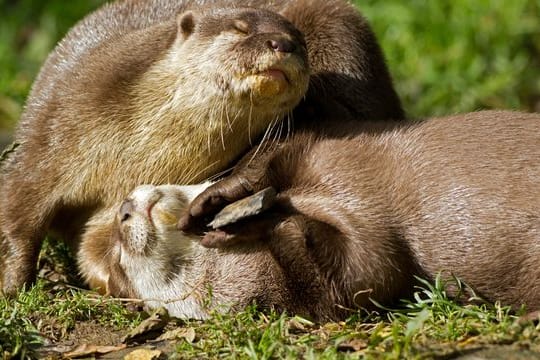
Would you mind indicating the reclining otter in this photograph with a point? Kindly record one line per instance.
(356, 217)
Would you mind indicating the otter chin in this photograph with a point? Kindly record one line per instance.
(269, 83)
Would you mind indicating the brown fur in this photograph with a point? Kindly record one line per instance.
(102, 116)
(358, 217)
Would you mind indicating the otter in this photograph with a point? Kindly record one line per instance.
(356, 218)
(172, 91)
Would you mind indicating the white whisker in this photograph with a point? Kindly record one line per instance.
(221, 125)
(249, 117)
(197, 175)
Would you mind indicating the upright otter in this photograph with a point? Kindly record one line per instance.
(355, 218)
(171, 91)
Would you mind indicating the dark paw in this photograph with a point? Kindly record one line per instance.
(211, 201)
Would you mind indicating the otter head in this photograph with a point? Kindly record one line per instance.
(226, 77)
(246, 52)
(139, 264)
(246, 64)
(151, 260)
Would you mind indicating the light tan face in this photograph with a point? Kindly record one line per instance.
(150, 213)
(159, 264)
(245, 53)
(149, 250)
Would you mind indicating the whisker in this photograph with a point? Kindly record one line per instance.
(208, 134)
(290, 124)
(220, 174)
(249, 117)
(280, 131)
(276, 131)
(189, 174)
(226, 105)
(221, 125)
(262, 144)
(198, 173)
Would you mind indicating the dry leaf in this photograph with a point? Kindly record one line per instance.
(299, 324)
(181, 333)
(85, 350)
(146, 330)
(143, 354)
(352, 345)
(331, 327)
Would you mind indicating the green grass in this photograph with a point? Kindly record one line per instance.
(429, 326)
(49, 311)
(449, 57)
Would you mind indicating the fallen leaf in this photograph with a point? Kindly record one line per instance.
(181, 333)
(469, 340)
(85, 350)
(143, 354)
(331, 327)
(149, 327)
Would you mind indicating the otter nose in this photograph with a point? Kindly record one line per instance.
(281, 44)
(126, 209)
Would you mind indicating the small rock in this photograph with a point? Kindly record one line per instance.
(241, 209)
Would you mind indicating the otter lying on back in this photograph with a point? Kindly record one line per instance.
(171, 91)
(356, 217)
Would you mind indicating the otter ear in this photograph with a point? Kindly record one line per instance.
(186, 24)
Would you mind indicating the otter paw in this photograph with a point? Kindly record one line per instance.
(212, 200)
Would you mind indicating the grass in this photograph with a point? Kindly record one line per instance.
(430, 326)
(460, 56)
(44, 314)
(50, 310)
(445, 58)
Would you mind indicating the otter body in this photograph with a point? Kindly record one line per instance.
(357, 217)
(164, 91)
